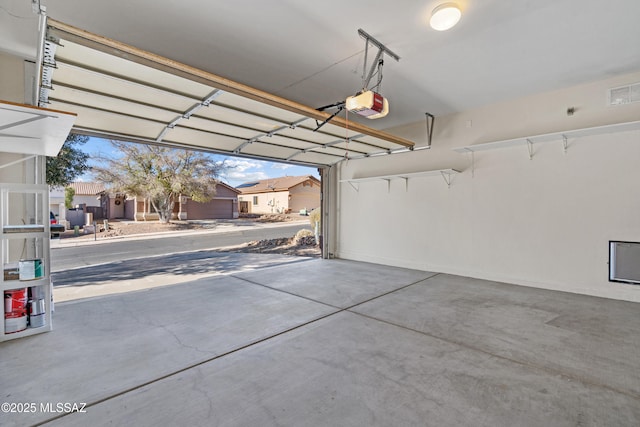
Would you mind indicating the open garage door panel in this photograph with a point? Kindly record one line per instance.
(124, 93)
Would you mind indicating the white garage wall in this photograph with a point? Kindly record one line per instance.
(544, 222)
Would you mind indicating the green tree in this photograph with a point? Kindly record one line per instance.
(159, 174)
(70, 163)
(69, 192)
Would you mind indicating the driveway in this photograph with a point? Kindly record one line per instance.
(157, 271)
(87, 268)
(331, 343)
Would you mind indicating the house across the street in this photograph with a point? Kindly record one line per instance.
(224, 205)
(280, 195)
(86, 200)
(92, 197)
(86, 194)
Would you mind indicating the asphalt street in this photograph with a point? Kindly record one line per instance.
(65, 258)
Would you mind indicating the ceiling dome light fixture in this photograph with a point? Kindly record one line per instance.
(445, 16)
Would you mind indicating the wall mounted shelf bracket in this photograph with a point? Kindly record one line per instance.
(446, 174)
(549, 137)
(530, 148)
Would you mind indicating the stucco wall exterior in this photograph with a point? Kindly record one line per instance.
(305, 195)
(270, 202)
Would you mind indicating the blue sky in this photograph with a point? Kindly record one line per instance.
(242, 169)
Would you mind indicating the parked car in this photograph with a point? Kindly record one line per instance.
(56, 228)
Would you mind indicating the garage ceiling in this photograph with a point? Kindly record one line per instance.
(310, 52)
(122, 92)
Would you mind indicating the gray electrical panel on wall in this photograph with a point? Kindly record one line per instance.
(624, 262)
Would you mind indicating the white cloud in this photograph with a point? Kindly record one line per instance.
(281, 166)
(243, 170)
(247, 170)
(241, 165)
(236, 178)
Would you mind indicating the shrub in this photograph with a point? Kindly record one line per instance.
(304, 238)
(314, 216)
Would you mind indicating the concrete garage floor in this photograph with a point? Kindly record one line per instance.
(333, 343)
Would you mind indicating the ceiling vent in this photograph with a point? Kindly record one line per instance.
(624, 94)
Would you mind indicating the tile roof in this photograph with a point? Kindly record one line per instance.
(87, 188)
(223, 184)
(94, 188)
(274, 184)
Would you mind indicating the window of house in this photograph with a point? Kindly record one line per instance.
(255, 200)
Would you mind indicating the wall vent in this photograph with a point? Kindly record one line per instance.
(624, 94)
(624, 262)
